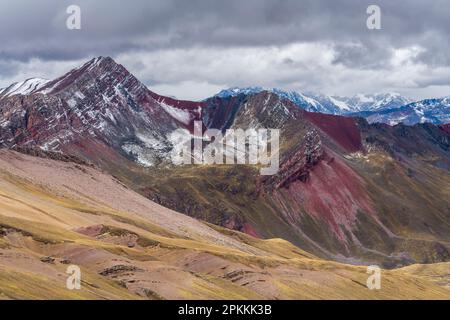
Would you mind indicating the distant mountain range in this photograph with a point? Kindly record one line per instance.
(435, 111)
(390, 108)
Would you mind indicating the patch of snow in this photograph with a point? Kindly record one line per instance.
(138, 152)
(181, 115)
(4, 123)
(80, 95)
(151, 142)
(418, 111)
(54, 143)
(72, 103)
(109, 114)
(55, 85)
(309, 100)
(340, 104)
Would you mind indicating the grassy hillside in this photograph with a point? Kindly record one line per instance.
(55, 214)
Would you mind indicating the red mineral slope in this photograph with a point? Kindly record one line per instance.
(183, 111)
(341, 129)
(101, 104)
(333, 193)
(180, 104)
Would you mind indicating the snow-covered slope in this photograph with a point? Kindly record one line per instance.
(372, 102)
(436, 111)
(24, 87)
(308, 102)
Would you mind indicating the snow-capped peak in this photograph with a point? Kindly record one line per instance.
(340, 104)
(325, 103)
(377, 101)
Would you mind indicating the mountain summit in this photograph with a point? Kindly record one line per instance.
(99, 103)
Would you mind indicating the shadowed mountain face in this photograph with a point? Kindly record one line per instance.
(346, 189)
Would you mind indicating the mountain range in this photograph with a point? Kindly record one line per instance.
(348, 192)
(329, 104)
(390, 108)
(435, 111)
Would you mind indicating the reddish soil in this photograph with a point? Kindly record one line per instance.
(333, 193)
(248, 229)
(193, 107)
(180, 104)
(445, 128)
(91, 231)
(343, 130)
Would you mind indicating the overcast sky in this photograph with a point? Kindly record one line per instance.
(193, 48)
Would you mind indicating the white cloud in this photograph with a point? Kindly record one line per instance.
(187, 90)
(190, 48)
(37, 68)
(198, 72)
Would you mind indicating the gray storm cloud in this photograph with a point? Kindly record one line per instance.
(192, 48)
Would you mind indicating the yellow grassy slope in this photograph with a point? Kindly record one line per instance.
(44, 203)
